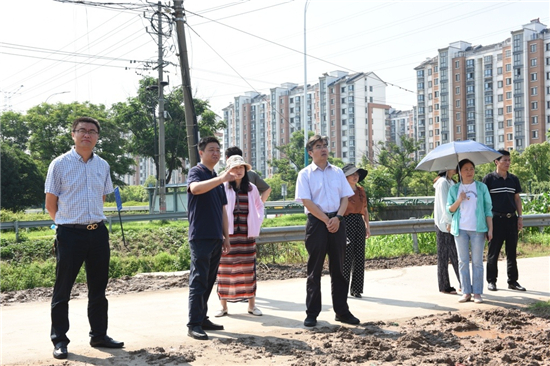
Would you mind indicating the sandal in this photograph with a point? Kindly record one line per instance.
(222, 312)
(255, 311)
(449, 290)
(465, 298)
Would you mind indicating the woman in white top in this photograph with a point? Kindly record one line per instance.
(470, 204)
(446, 248)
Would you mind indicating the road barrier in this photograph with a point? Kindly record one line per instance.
(288, 233)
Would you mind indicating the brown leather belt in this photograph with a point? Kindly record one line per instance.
(93, 226)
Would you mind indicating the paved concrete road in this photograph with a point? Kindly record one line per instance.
(158, 318)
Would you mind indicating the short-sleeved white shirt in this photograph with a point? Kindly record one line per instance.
(325, 188)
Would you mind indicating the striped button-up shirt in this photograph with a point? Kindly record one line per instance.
(79, 187)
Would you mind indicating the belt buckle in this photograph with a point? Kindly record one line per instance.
(91, 227)
(508, 215)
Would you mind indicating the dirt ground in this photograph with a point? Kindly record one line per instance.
(490, 337)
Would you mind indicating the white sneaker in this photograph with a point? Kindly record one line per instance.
(255, 311)
(478, 299)
(222, 312)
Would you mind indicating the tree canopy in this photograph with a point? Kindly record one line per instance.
(138, 115)
(22, 183)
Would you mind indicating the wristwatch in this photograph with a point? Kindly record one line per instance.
(340, 217)
(520, 216)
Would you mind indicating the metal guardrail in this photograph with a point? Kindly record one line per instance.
(287, 233)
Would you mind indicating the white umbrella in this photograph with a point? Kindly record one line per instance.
(447, 156)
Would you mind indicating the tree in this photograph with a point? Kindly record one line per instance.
(13, 130)
(50, 135)
(138, 114)
(22, 183)
(398, 161)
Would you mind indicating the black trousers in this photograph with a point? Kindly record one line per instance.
(205, 260)
(74, 247)
(319, 242)
(446, 252)
(504, 230)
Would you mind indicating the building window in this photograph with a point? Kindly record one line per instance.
(457, 90)
(534, 90)
(457, 103)
(508, 67)
(500, 125)
(509, 137)
(535, 120)
(533, 76)
(457, 64)
(533, 48)
(500, 111)
(508, 95)
(508, 109)
(508, 123)
(500, 97)
(534, 105)
(500, 138)
(499, 70)
(499, 84)
(458, 129)
(457, 77)
(535, 134)
(533, 62)
(548, 60)
(508, 81)
(458, 116)
(332, 101)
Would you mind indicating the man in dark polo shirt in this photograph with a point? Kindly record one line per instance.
(208, 233)
(504, 188)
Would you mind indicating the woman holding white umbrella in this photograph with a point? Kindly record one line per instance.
(470, 204)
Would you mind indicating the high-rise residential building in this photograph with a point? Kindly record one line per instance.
(498, 94)
(349, 109)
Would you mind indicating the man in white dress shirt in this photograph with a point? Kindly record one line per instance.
(324, 191)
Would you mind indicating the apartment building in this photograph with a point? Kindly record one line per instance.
(497, 94)
(349, 109)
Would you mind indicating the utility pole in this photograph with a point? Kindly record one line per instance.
(190, 115)
(162, 163)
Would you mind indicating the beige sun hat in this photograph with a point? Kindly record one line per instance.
(236, 160)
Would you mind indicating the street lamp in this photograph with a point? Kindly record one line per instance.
(304, 114)
(63, 92)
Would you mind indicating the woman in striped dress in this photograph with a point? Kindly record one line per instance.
(245, 213)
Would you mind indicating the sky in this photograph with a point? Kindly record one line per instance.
(62, 52)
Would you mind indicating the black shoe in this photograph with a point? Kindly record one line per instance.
(197, 332)
(208, 325)
(516, 286)
(310, 321)
(105, 342)
(491, 286)
(357, 295)
(348, 319)
(60, 351)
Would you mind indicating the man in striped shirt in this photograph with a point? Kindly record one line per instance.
(504, 188)
(76, 186)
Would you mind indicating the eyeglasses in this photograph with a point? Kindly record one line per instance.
(86, 132)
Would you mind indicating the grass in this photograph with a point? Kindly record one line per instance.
(540, 309)
(159, 246)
